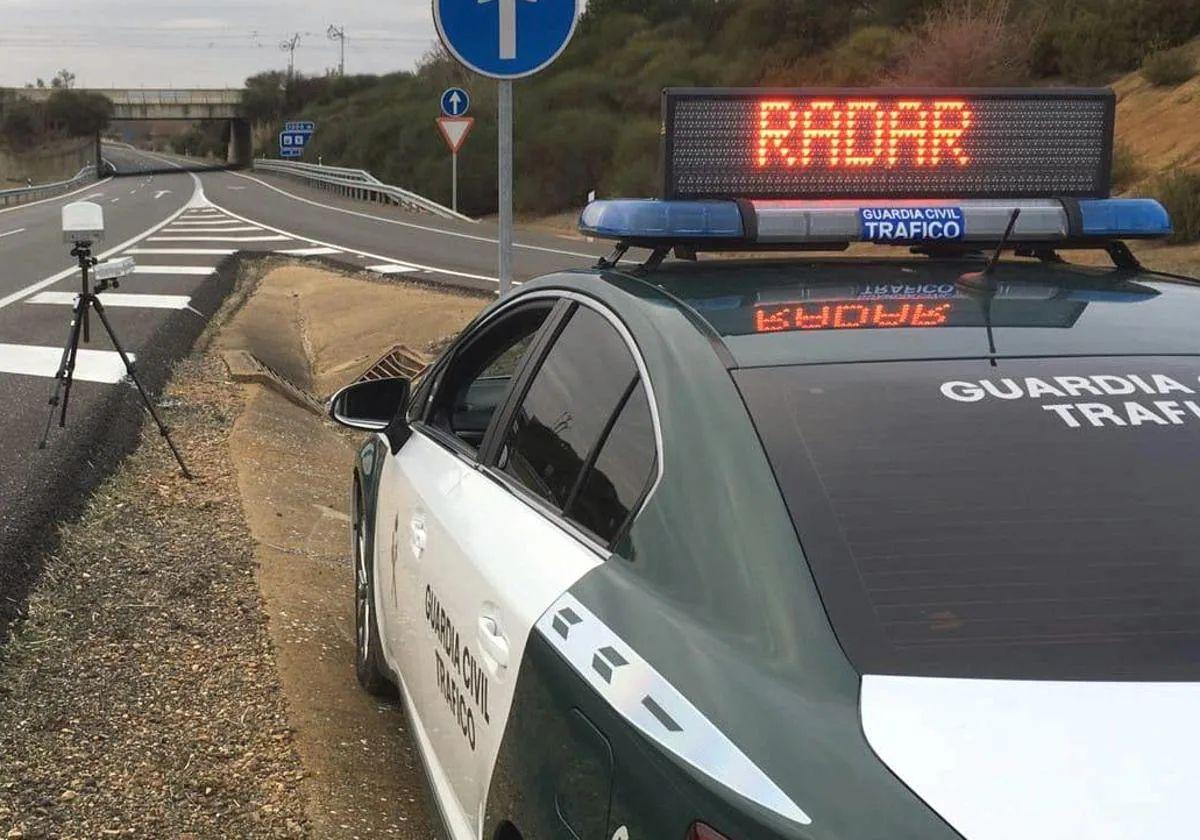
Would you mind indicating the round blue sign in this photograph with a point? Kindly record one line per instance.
(455, 102)
(505, 39)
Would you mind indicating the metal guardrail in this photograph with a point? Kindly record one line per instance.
(356, 183)
(24, 195)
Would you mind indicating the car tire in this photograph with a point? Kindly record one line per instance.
(368, 653)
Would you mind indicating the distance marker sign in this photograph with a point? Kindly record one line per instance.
(505, 39)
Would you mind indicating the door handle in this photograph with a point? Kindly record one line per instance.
(493, 640)
(417, 539)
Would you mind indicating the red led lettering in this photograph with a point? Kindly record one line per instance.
(765, 321)
(822, 124)
(864, 134)
(908, 124)
(851, 316)
(886, 318)
(818, 320)
(860, 133)
(930, 316)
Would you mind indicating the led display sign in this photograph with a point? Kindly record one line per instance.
(866, 314)
(970, 143)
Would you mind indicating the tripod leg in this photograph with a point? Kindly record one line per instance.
(162, 429)
(66, 371)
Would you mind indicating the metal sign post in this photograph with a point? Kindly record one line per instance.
(482, 35)
(455, 125)
(455, 131)
(505, 130)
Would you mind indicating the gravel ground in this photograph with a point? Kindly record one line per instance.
(140, 698)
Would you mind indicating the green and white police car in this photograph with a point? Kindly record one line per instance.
(893, 546)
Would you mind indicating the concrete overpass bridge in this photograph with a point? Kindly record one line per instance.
(174, 104)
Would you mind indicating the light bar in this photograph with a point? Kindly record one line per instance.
(814, 224)
(887, 143)
(666, 220)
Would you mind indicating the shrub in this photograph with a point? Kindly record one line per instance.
(1168, 68)
(869, 55)
(1126, 169)
(970, 43)
(1179, 192)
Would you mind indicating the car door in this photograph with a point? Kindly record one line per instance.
(424, 477)
(509, 546)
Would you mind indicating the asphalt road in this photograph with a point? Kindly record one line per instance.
(179, 227)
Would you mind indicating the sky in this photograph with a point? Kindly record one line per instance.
(215, 43)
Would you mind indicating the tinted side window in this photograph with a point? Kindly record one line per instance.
(613, 486)
(581, 383)
(477, 379)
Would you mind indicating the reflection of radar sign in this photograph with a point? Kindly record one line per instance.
(83, 225)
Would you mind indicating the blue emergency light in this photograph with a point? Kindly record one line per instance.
(822, 168)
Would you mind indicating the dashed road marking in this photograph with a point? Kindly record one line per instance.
(90, 365)
(11, 232)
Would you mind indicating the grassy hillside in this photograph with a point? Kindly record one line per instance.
(592, 120)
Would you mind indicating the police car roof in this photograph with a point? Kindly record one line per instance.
(833, 310)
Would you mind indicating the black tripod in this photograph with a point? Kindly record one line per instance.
(89, 299)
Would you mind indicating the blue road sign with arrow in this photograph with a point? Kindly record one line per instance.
(505, 39)
(292, 143)
(455, 102)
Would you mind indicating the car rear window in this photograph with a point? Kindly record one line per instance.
(1039, 518)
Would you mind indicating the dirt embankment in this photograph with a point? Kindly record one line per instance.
(186, 669)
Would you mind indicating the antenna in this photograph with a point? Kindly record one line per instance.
(338, 33)
(289, 47)
(982, 279)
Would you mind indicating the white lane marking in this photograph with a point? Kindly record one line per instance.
(244, 229)
(160, 193)
(60, 197)
(11, 232)
(355, 251)
(117, 299)
(391, 268)
(114, 201)
(221, 238)
(184, 252)
(237, 188)
(214, 220)
(21, 294)
(309, 252)
(414, 225)
(90, 365)
(192, 270)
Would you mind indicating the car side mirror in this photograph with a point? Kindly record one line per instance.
(369, 406)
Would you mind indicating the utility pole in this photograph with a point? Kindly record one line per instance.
(289, 47)
(338, 33)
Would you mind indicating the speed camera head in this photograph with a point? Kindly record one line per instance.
(83, 222)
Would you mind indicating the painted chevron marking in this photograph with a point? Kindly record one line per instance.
(192, 270)
(309, 252)
(102, 366)
(143, 301)
(391, 268)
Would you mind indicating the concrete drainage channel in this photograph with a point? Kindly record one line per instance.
(244, 366)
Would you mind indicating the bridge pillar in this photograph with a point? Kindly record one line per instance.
(241, 144)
